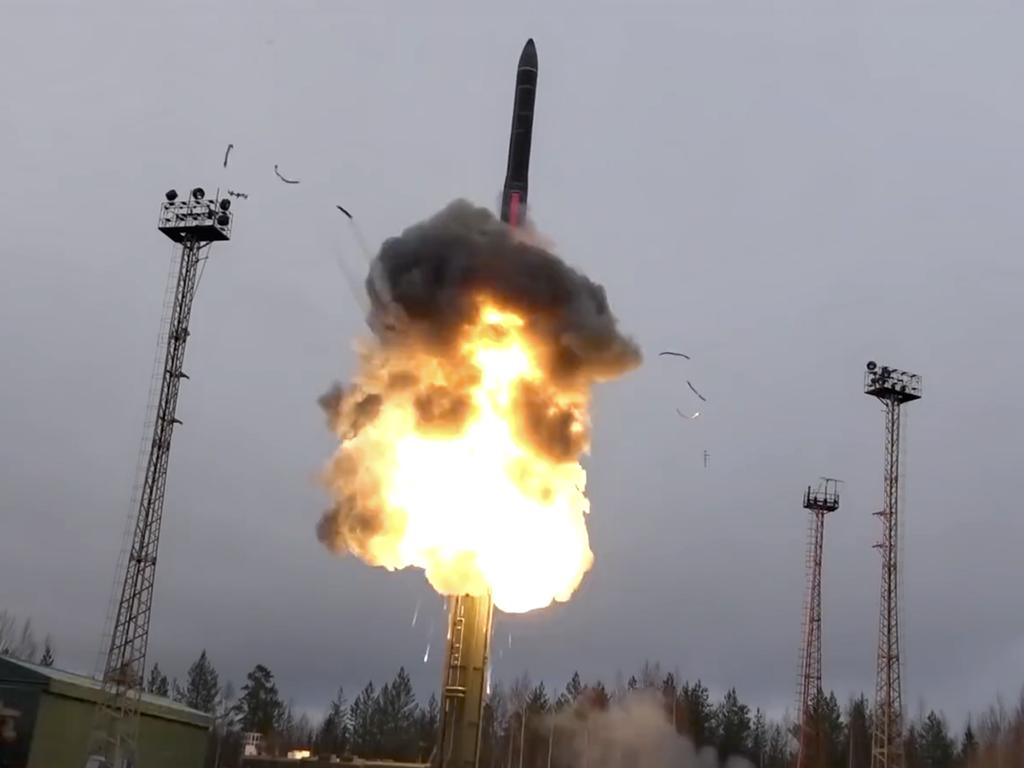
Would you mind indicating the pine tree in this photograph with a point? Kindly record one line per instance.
(968, 746)
(426, 728)
(202, 685)
(284, 725)
(361, 717)
(259, 707)
(46, 659)
(912, 747)
(377, 722)
(858, 734)
(537, 701)
(697, 716)
(157, 683)
(732, 721)
(573, 689)
(830, 731)
(398, 718)
(597, 696)
(26, 647)
(333, 735)
(670, 697)
(534, 739)
(222, 736)
(758, 738)
(650, 674)
(177, 692)
(494, 722)
(937, 747)
(300, 734)
(777, 755)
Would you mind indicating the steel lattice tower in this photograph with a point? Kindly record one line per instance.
(893, 388)
(820, 502)
(195, 224)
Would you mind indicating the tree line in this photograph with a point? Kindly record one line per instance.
(22, 644)
(384, 722)
(389, 722)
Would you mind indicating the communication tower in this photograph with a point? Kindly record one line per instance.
(893, 388)
(194, 223)
(819, 502)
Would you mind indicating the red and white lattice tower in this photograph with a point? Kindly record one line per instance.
(893, 388)
(819, 502)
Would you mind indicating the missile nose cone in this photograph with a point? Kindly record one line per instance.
(528, 58)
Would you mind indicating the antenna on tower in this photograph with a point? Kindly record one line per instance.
(819, 502)
(194, 223)
(893, 388)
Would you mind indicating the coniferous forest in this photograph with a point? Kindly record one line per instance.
(386, 720)
(525, 720)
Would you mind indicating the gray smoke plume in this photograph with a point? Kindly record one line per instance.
(427, 283)
(634, 732)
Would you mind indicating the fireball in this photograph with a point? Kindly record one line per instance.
(461, 436)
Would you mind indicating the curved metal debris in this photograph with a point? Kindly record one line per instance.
(694, 390)
(282, 178)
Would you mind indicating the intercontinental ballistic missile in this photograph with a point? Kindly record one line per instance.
(517, 175)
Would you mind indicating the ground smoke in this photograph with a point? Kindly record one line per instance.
(633, 732)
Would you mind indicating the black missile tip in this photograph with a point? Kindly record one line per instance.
(528, 58)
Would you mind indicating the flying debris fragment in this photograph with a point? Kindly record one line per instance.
(226, 153)
(691, 418)
(694, 390)
(673, 354)
(416, 613)
(282, 178)
(426, 654)
(357, 233)
(243, 195)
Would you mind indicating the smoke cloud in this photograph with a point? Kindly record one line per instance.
(429, 289)
(426, 285)
(633, 732)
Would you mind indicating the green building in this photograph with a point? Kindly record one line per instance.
(49, 716)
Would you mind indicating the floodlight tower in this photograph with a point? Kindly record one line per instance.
(893, 388)
(819, 502)
(194, 223)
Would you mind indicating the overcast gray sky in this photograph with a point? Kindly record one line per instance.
(783, 194)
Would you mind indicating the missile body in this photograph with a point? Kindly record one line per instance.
(517, 175)
(464, 689)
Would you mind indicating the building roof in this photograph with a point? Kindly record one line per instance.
(63, 683)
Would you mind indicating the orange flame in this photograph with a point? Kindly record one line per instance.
(481, 509)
